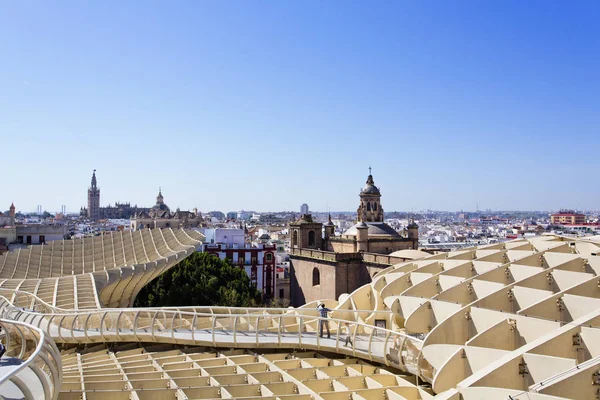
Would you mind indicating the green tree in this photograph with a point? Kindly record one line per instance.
(200, 280)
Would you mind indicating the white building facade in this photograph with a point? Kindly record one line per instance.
(259, 261)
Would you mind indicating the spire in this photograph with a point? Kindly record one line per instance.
(11, 210)
(94, 183)
(159, 198)
(370, 180)
(370, 187)
(329, 221)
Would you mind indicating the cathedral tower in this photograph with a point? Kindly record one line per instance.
(93, 200)
(370, 209)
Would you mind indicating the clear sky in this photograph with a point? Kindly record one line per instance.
(269, 104)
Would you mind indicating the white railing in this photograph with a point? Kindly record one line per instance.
(39, 374)
(28, 301)
(232, 329)
(227, 326)
(31, 302)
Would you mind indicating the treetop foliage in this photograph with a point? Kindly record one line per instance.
(200, 280)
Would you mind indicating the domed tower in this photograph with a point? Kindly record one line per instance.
(160, 199)
(160, 209)
(370, 209)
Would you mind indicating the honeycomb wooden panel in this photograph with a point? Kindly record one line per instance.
(519, 319)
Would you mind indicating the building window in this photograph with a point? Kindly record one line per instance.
(316, 277)
(295, 239)
(368, 206)
(281, 293)
(311, 238)
(269, 257)
(42, 239)
(28, 239)
(19, 239)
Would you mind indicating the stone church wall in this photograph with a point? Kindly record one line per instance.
(343, 245)
(335, 278)
(387, 246)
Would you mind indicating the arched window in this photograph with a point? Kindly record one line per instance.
(269, 257)
(374, 206)
(311, 238)
(295, 239)
(368, 206)
(316, 277)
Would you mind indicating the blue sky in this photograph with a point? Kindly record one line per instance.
(267, 105)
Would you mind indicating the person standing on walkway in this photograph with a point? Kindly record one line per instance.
(323, 321)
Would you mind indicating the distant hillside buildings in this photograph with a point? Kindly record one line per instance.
(14, 235)
(567, 217)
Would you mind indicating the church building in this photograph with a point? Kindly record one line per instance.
(160, 216)
(94, 212)
(370, 234)
(323, 265)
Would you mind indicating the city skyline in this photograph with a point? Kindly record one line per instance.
(230, 106)
(477, 208)
(40, 208)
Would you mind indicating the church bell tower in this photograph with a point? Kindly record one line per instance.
(94, 200)
(370, 209)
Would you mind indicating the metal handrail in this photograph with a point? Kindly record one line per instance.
(119, 311)
(50, 380)
(125, 323)
(122, 324)
(189, 308)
